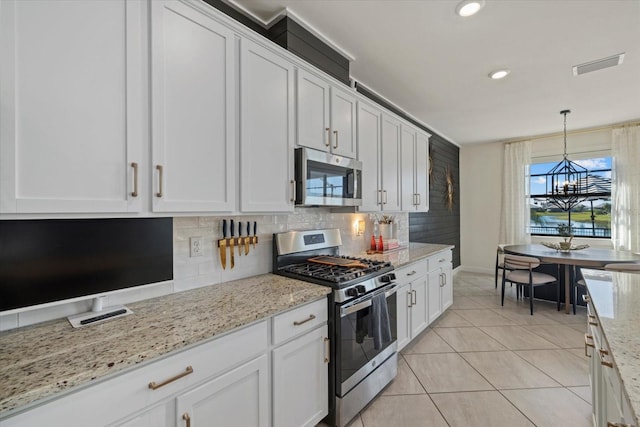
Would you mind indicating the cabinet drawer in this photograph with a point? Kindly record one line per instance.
(299, 320)
(130, 392)
(412, 271)
(440, 259)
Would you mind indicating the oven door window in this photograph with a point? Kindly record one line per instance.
(355, 347)
(329, 181)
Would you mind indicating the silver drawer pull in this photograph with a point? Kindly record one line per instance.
(327, 349)
(154, 386)
(412, 273)
(302, 322)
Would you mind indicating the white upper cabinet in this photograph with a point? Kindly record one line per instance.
(369, 138)
(415, 170)
(390, 163)
(193, 110)
(379, 140)
(71, 125)
(266, 130)
(326, 116)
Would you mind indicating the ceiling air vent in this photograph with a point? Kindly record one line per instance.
(598, 64)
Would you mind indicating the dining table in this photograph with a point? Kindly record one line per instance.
(588, 257)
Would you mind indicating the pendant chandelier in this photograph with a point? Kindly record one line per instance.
(567, 182)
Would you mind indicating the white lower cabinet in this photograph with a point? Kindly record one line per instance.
(238, 398)
(412, 315)
(229, 381)
(440, 284)
(300, 380)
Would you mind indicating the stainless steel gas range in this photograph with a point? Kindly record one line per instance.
(362, 315)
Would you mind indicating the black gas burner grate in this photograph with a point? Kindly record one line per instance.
(336, 273)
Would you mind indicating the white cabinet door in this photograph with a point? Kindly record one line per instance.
(369, 119)
(415, 170)
(402, 316)
(239, 398)
(434, 292)
(313, 111)
(300, 380)
(343, 123)
(408, 170)
(266, 130)
(193, 110)
(419, 309)
(72, 105)
(390, 163)
(422, 172)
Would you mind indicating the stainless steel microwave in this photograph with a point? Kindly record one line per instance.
(324, 179)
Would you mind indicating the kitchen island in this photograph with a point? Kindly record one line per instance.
(44, 361)
(614, 339)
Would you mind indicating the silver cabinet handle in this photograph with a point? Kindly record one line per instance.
(384, 192)
(419, 199)
(327, 349)
(411, 273)
(302, 322)
(379, 199)
(414, 300)
(410, 302)
(335, 133)
(134, 193)
(154, 386)
(293, 190)
(328, 143)
(160, 173)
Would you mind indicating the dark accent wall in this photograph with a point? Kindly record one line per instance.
(296, 39)
(439, 225)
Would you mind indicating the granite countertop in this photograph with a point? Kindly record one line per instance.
(39, 361)
(615, 298)
(407, 255)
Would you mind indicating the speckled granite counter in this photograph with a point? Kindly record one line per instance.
(39, 361)
(616, 298)
(407, 255)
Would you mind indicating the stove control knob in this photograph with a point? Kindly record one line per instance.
(361, 289)
(351, 292)
(387, 278)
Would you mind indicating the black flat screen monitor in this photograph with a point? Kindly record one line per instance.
(45, 261)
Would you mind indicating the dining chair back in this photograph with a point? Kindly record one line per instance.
(519, 270)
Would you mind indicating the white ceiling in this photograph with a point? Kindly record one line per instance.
(434, 64)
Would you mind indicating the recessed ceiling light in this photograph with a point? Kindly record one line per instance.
(499, 74)
(469, 7)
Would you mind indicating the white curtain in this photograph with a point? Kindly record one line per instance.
(625, 203)
(514, 213)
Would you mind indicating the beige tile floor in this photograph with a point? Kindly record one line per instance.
(481, 364)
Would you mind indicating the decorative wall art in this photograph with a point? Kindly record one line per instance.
(449, 193)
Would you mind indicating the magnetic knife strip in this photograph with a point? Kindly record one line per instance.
(241, 242)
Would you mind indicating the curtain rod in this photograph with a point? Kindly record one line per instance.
(574, 132)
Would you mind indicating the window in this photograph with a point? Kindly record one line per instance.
(590, 218)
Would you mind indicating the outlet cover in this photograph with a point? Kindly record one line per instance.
(196, 246)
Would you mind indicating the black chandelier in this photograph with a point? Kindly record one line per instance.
(567, 183)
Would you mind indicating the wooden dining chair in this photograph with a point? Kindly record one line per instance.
(519, 270)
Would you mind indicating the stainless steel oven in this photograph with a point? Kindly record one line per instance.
(362, 368)
(324, 179)
(362, 315)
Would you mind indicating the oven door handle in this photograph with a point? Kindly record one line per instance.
(350, 309)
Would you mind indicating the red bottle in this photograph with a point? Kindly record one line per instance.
(373, 243)
(380, 244)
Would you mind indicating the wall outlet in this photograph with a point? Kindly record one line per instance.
(196, 246)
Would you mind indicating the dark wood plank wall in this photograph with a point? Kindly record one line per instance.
(439, 225)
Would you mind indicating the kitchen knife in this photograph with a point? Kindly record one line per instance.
(223, 245)
(231, 244)
(255, 230)
(246, 239)
(239, 238)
